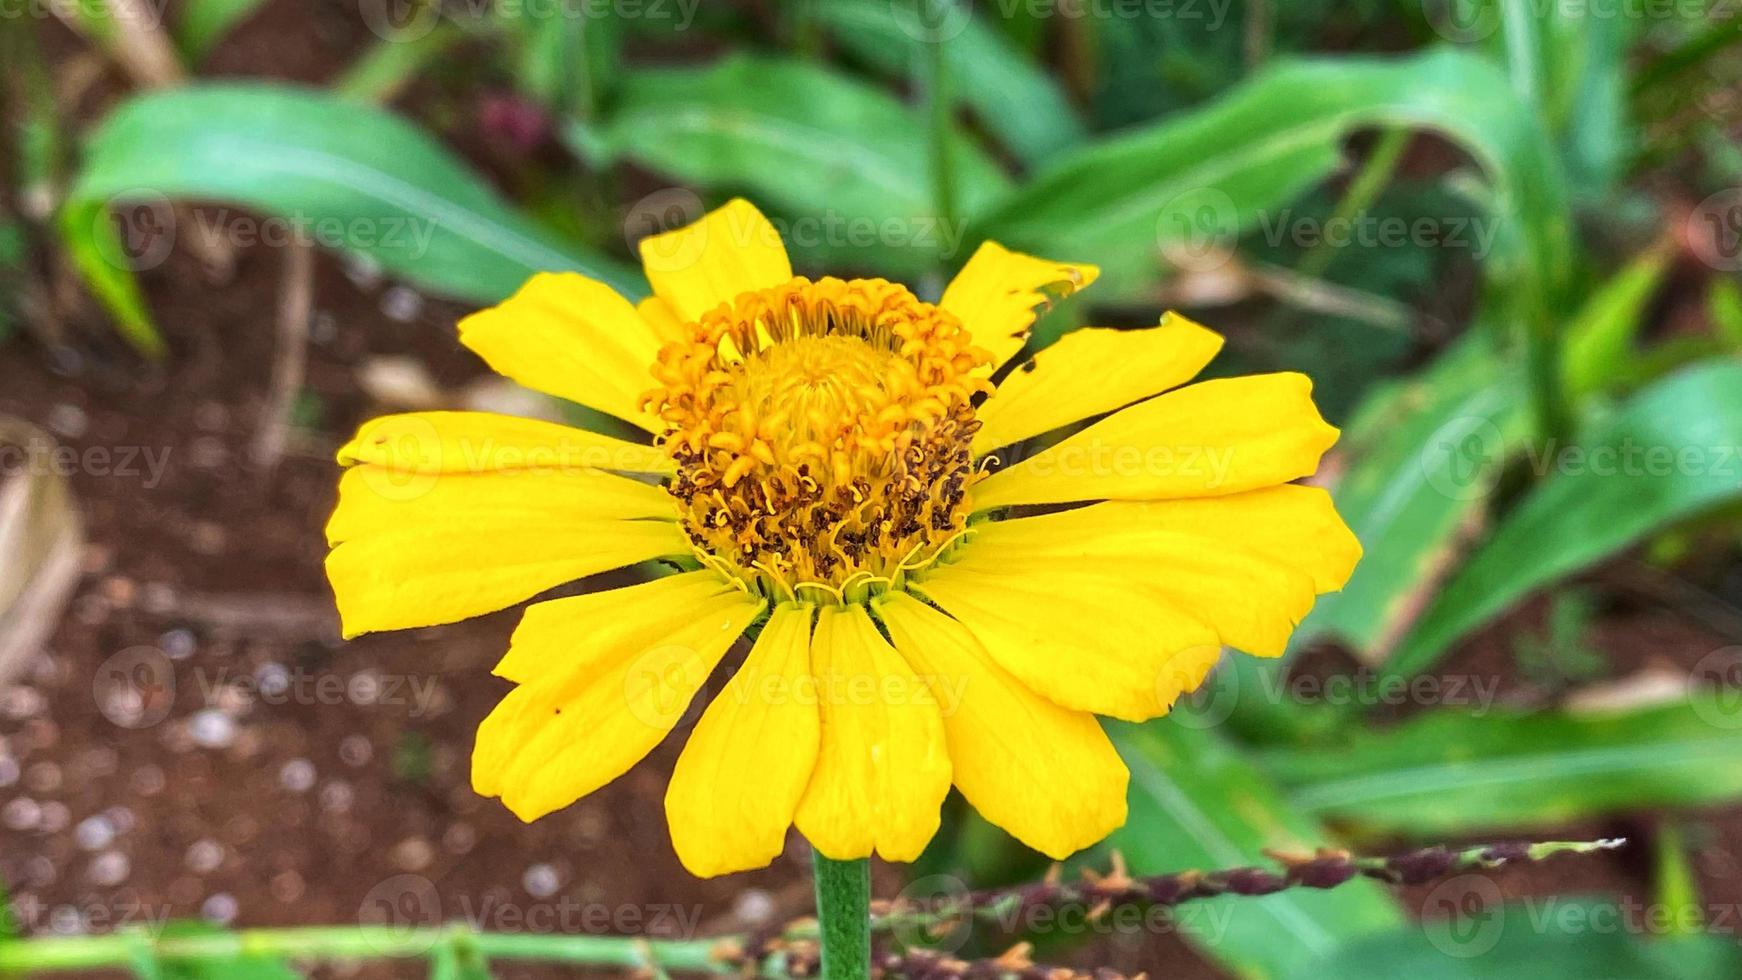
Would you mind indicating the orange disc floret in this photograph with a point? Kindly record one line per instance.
(821, 432)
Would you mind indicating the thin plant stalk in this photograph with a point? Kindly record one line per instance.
(843, 917)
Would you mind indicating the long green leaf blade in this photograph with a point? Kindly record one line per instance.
(1470, 771)
(847, 162)
(353, 176)
(1016, 101)
(1667, 455)
(1422, 456)
(1210, 173)
(203, 23)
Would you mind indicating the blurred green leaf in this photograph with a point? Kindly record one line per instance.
(392, 63)
(12, 252)
(353, 176)
(1146, 67)
(458, 959)
(412, 756)
(1724, 306)
(98, 251)
(8, 924)
(565, 55)
(203, 23)
(847, 162)
(1708, 40)
(1419, 467)
(1584, 53)
(1668, 454)
(1562, 655)
(1556, 938)
(1422, 454)
(242, 966)
(1013, 98)
(1674, 883)
(1195, 180)
(1483, 769)
(1598, 347)
(1196, 801)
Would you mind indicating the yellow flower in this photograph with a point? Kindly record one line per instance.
(819, 469)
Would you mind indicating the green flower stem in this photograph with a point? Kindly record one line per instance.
(22, 957)
(844, 917)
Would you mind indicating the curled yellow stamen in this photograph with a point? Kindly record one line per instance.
(821, 432)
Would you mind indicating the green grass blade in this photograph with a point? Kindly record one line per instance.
(352, 176)
(848, 162)
(1668, 454)
(1478, 771)
(1013, 98)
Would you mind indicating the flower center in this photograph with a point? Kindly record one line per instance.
(821, 432)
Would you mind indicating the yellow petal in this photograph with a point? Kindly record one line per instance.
(1206, 440)
(739, 780)
(1290, 524)
(567, 733)
(1098, 642)
(659, 315)
(998, 294)
(1090, 371)
(573, 337)
(731, 250)
(1046, 774)
(882, 769)
(374, 500)
(1253, 602)
(422, 549)
(549, 634)
(481, 442)
(1296, 525)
